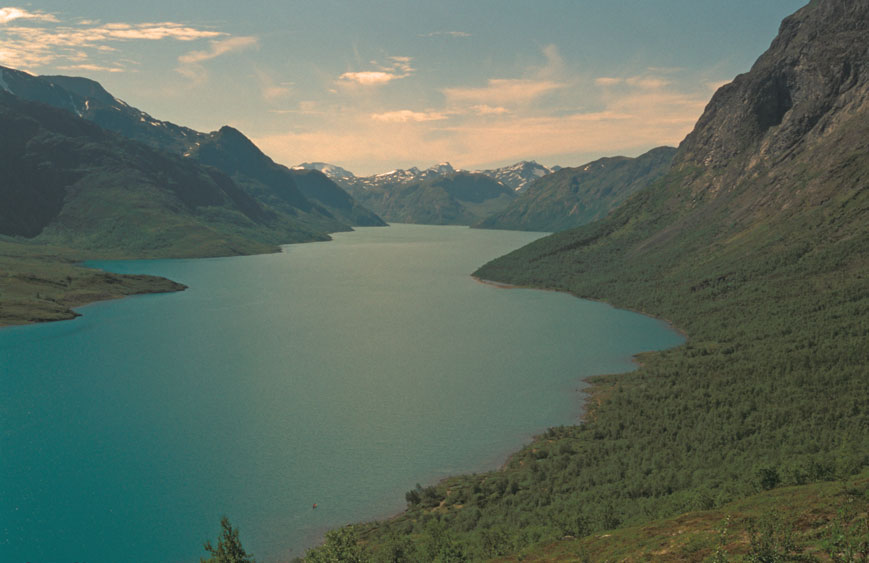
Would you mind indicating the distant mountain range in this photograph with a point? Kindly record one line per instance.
(516, 176)
(459, 198)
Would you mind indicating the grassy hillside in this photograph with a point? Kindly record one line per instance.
(575, 196)
(42, 283)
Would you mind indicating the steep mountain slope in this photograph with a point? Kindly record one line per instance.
(756, 243)
(575, 196)
(461, 198)
(89, 100)
(68, 181)
(324, 207)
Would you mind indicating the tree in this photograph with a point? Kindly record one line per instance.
(229, 549)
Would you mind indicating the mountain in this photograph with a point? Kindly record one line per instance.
(756, 244)
(458, 198)
(317, 187)
(69, 182)
(324, 206)
(435, 194)
(89, 100)
(334, 173)
(575, 196)
(518, 176)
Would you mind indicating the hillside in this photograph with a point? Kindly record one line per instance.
(228, 149)
(459, 198)
(69, 182)
(755, 244)
(575, 196)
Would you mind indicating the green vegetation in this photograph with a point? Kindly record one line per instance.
(42, 283)
(573, 197)
(229, 548)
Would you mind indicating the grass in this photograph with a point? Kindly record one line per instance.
(43, 283)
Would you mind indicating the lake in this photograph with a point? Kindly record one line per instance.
(340, 373)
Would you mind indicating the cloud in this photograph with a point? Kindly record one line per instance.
(647, 82)
(218, 48)
(400, 67)
(9, 14)
(644, 82)
(90, 67)
(36, 39)
(369, 77)
(483, 109)
(500, 92)
(608, 81)
(405, 115)
(446, 34)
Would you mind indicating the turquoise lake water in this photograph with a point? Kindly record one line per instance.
(338, 373)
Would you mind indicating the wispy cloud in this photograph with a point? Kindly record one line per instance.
(405, 115)
(93, 68)
(398, 67)
(446, 34)
(36, 39)
(9, 14)
(218, 48)
(483, 109)
(500, 92)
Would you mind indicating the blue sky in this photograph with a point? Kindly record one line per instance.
(373, 86)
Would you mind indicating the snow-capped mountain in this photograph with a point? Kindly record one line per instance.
(515, 177)
(518, 176)
(334, 172)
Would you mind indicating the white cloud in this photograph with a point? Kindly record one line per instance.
(400, 67)
(45, 40)
(369, 77)
(405, 115)
(9, 14)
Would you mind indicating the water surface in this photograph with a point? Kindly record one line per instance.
(341, 373)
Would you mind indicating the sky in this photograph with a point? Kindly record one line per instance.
(377, 85)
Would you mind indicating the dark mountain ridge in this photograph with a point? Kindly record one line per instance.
(68, 181)
(271, 183)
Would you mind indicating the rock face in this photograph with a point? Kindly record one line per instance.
(776, 170)
(575, 196)
(801, 94)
